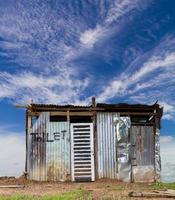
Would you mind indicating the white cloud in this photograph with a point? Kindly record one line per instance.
(154, 63)
(120, 8)
(61, 87)
(36, 35)
(91, 36)
(166, 139)
(168, 116)
(167, 107)
(117, 10)
(167, 149)
(122, 83)
(12, 152)
(43, 41)
(144, 82)
(168, 110)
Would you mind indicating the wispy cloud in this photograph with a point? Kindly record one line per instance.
(42, 88)
(144, 82)
(168, 110)
(44, 41)
(121, 8)
(36, 34)
(116, 12)
(91, 36)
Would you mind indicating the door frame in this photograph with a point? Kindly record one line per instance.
(92, 150)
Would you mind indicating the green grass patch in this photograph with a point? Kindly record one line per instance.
(154, 186)
(162, 186)
(76, 195)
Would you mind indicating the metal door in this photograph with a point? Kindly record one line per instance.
(82, 152)
(142, 154)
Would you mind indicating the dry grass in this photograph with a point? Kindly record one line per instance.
(99, 190)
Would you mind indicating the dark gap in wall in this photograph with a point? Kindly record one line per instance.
(56, 118)
(80, 119)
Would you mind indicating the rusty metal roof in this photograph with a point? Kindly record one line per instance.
(118, 105)
(128, 106)
(52, 107)
(99, 106)
(58, 106)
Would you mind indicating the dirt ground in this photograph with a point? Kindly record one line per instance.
(102, 189)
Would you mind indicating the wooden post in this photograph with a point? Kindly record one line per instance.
(69, 176)
(93, 102)
(28, 127)
(68, 116)
(95, 138)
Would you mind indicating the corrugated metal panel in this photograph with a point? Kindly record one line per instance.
(36, 106)
(106, 141)
(58, 151)
(37, 149)
(123, 148)
(157, 155)
(142, 154)
(49, 150)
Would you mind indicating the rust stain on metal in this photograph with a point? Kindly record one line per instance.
(56, 172)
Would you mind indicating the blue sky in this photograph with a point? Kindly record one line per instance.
(58, 51)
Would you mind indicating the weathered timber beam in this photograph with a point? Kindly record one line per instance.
(137, 113)
(90, 113)
(12, 186)
(65, 109)
(154, 194)
(59, 113)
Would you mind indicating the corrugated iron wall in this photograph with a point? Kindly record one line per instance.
(49, 150)
(123, 125)
(118, 148)
(37, 149)
(58, 151)
(157, 154)
(49, 156)
(106, 142)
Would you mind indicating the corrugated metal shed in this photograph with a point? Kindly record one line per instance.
(126, 140)
(106, 142)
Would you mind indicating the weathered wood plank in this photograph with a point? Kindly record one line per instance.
(12, 186)
(155, 194)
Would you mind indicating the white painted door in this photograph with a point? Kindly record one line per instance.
(82, 152)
